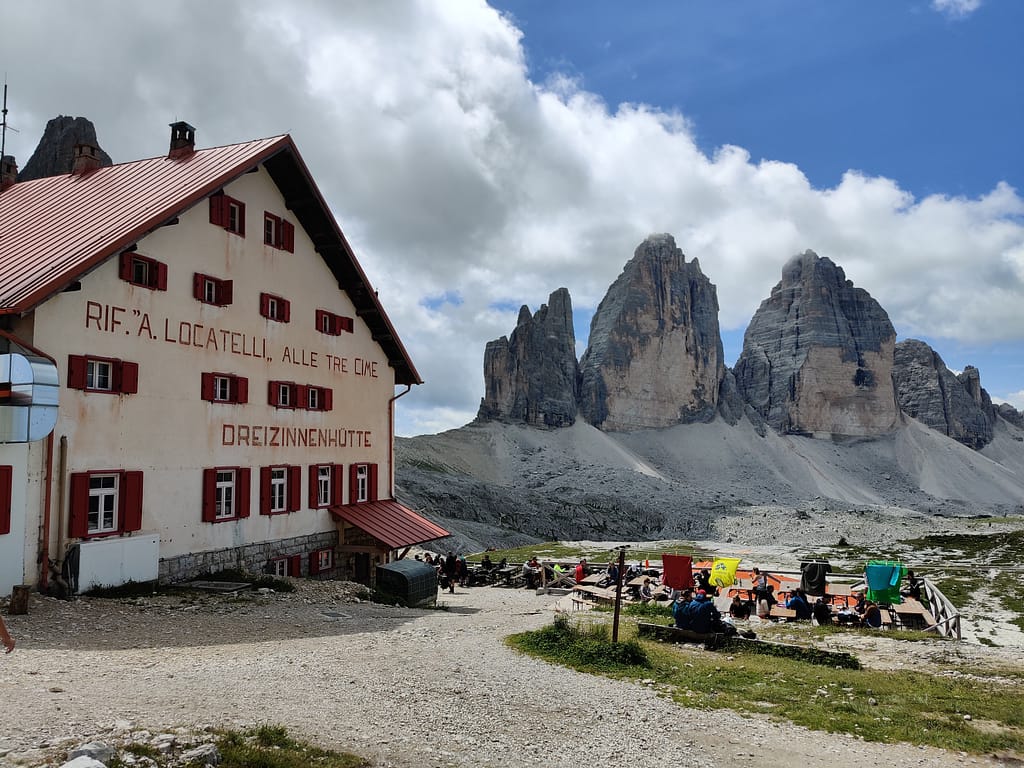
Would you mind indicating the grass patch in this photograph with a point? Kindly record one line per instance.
(1006, 587)
(886, 706)
(587, 648)
(270, 746)
(127, 590)
(595, 554)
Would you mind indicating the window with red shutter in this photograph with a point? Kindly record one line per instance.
(328, 399)
(212, 290)
(78, 517)
(294, 489)
(227, 212)
(287, 236)
(295, 565)
(313, 486)
(372, 489)
(217, 215)
(244, 478)
(6, 495)
(241, 389)
(128, 379)
(265, 490)
(76, 371)
(209, 495)
(224, 388)
(143, 271)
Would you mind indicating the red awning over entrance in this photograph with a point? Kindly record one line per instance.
(390, 522)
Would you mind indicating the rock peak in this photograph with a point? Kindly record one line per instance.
(54, 155)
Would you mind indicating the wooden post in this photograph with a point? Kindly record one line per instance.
(618, 595)
(19, 600)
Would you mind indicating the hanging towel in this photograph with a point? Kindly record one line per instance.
(723, 572)
(678, 571)
(812, 577)
(883, 578)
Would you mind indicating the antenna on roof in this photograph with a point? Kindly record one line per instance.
(3, 123)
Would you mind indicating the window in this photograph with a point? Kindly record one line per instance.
(105, 503)
(321, 561)
(225, 493)
(143, 271)
(228, 213)
(325, 485)
(6, 492)
(103, 374)
(225, 388)
(278, 232)
(275, 308)
(280, 489)
(362, 483)
(282, 394)
(286, 566)
(332, 324)
(212, 290)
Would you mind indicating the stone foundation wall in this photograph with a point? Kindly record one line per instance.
(252, 557)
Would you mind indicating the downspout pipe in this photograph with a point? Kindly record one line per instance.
(391, 440)
(44, 544)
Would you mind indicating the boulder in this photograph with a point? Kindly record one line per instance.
(818, 355)
(927, 390)
(532, 376)
(655, 354)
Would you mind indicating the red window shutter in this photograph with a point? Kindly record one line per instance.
(347, 324)
(295, 565)
(240, 384)
(243, 478)
(337, 483)
(225, 292)
(273, 392)
(126, 266)
(287, 236)
(161, 276)
(78, 518)
(218, 208)
(314, 489)
(264, 490)
(197, 286)
(371, 493)
(76, 371)
(209, 495)
(206, 386)
(301, 396)
(265, 305)
(314, 563)
(327, 398)
(353, 484)
(320, 315)
(286, 311)
(294, 488)
(6, 492)
(241, 217)
(127, 377)
(131, 502)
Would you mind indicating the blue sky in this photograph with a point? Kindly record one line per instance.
(480, 156)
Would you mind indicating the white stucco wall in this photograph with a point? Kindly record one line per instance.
(166, 429)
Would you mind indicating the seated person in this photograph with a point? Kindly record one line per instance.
(861, 605)
(739, 609)
(580, 572)
(872, 616)
(704, 616)
(486, 563)
(703, 579)
(821, 612)
(532, 573)
(913, 588)
(798, 603)
(647, 590)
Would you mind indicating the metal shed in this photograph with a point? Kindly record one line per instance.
(411, 581)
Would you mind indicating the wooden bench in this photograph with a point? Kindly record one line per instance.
(598, 594)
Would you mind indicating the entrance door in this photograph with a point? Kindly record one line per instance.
(362, 574)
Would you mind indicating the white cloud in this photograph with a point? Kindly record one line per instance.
(453, 174)
(956, 9)
(1016, 399)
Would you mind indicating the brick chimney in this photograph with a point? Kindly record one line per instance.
(85, 158)
(8, 172)
(183, 139)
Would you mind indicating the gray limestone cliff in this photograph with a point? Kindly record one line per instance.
(532, 376)
(54, 153)
(953, 405)
(655, 354)
(818, 355)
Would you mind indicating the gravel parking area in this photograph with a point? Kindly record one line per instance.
(403, 687)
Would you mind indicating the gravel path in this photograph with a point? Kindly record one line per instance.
(403, 687)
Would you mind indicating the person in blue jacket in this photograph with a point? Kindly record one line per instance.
(798, 603)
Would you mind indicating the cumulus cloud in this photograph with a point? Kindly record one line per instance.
(956, 9)
(1016, 399)
(467, 190)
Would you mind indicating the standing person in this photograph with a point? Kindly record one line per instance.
(5, 637)
(759, 584)
(451, 565)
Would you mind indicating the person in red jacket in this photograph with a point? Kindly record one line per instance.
(581, 571)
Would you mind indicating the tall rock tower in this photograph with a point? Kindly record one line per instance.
(54, 154)
(533, 376)
(655, 353)
(818, 355)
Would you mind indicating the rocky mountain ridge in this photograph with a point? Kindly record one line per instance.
(656, 437)
(54, 155)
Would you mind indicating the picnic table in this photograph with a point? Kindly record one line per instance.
(911, 614)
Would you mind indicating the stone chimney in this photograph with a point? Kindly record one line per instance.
(183, 139)
(85, 158)
(8, 172)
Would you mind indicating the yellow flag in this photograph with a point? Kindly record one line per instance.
(723, 572)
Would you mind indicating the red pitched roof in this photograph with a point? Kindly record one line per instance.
(390, 522)
(56, 229)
